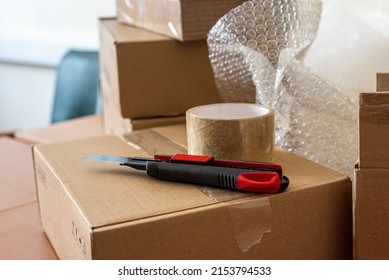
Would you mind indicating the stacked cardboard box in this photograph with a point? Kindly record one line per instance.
(184, 20)
(149, 79)
(371, 174)
(154, 61)
(83, 127)
(94, 210)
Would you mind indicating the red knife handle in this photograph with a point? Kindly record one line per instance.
(210, 161)
(223, 177)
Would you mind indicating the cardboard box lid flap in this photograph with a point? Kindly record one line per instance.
(90, 183)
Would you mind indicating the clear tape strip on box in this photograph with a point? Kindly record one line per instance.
(250, 215)
(255, 51)
(250, 219)
(164, 14)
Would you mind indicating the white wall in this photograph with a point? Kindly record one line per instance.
(25, 96)
(33, 37)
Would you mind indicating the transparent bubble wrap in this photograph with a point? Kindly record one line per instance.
(255, 53)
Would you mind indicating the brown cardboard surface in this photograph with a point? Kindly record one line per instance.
(382, 82)
(118, 213)
(17, 174)
(153, 141)
(371, 209)
(183, 20)
(148, 75)
(373, 130)
(22, 236)
(175, 133)
(82, 127)
(371, 214)
(114, 123)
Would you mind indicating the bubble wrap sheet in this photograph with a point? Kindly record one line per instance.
(255, 53)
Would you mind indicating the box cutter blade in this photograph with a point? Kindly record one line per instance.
(249, 176)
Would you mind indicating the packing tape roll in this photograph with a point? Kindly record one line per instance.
(238, 131)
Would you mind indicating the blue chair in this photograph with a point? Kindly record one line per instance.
(77, 86)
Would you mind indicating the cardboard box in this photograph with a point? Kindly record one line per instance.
(114, 123)
(374, 130)
(82, 127)
(371, 240)
(183, 20)
(22, 236)
(17, 174)
(94, 210)
(148, 75)
(117, 125)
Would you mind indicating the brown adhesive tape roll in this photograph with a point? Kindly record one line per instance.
(239, 131)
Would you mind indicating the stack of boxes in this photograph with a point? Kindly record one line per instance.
(155, 66)
(154, 62)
